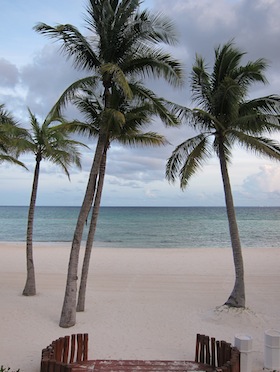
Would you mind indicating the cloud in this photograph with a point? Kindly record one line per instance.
(204, 24)
(135, 166)
(151, 193)
(267, 180)
(46, 78)
(207, 14)
(9, 74)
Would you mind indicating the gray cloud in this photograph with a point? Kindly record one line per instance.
(46, 78)
(9, 74)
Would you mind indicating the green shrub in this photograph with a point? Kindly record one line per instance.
(7, 369)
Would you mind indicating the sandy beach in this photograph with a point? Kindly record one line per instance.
(141, 303)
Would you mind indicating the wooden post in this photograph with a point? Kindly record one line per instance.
(213, 352)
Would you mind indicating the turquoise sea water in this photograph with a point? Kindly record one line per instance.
(148, 227)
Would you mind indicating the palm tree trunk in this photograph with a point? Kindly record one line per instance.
(237, 296)
(91, 233)
(68, 313)
(30, 285)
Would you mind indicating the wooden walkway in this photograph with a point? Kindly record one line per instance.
(140, 365)
(70, 354)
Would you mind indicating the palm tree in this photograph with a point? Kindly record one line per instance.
(224, 117)
(124, 42)
(137, 114)
(52, 143)
(125, 120)
(11, 138)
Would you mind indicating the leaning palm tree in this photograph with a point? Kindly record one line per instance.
(136, 114)
(124, 42)
(224, 117)
(12, 138)
(126, 121)
(51, 142)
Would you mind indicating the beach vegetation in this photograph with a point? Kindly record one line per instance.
(124, 46)
(127, 120)
(8, 369)
(225, 117)
(51, 142)
(12, 137)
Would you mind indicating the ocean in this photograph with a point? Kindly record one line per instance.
(148, 227)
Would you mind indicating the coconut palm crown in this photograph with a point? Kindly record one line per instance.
(12, 138)
(122, 41)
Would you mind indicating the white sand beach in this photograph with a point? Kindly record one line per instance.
(141, 303)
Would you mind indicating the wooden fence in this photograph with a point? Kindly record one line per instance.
(60, 353)
(219, 354)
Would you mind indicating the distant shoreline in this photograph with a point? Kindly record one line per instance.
(22, 244)
(146, 206)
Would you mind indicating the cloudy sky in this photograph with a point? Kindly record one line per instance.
(33, 74)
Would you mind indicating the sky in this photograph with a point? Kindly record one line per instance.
(33, 74)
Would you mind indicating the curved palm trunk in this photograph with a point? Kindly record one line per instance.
(68, 313)
(237, 296)
(30, 285)
(91, 233)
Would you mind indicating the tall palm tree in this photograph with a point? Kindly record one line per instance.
(124, 42)
(51, 142)
(224, 117)
(11, 138)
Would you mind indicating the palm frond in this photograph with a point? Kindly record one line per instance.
(74, 44)
(227, 61)
(13, 137)
(252, 72)
(166, 111)
(203, 121)
(259, 145)
(12, 160)
(187, 158)
(154, 63)
(88, 83)
(156, 27)
(117, 77)
(142, 139)
(201, 84)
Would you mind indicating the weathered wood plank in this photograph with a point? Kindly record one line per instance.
(140, 365)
